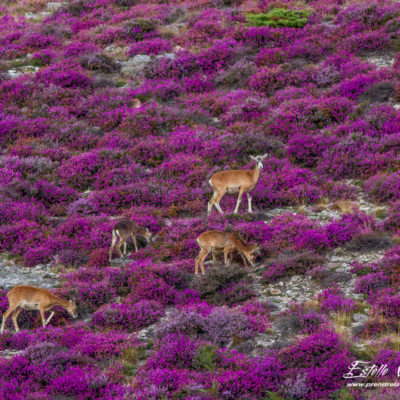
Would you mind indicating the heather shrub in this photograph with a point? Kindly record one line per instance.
(371, 283)
(369, 240)
(300, 319)
(66, 76)
(278, 17)
(98, 62)
(224, 285)
(81, 171)
(267, 375)
(290, 262)
(126, 316)
(382, 187)
(151, 46)
(216, 325)
(388, 306)
(392, 223)
(332, 300)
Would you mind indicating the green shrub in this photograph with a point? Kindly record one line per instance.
(206, 358)
(278, 17)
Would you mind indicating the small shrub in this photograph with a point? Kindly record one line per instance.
(223, 284)
(278, 17)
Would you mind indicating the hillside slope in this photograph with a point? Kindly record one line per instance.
(316, 85)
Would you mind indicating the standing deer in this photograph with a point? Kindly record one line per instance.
(123, 230)
(216, 241)
(235, 181)
(32, 298)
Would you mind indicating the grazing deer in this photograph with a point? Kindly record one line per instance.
(32, 298)
(216, 241)
(136, 103)
(123, 230)
(235, 181)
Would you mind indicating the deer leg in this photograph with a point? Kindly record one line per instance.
(214, 257)
(206, 252)
(113, 242)
(249, 202)
(6, 315)
(42, 317)
(124, 249)
(244, 259)
(239, 200)
(200, 260)
(211, 202)
(118, 246)
(218, 199)
(14, 319)
(134, 241)
(227, 251)
(49, 319)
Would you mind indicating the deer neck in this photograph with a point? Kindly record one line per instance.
(57, 301)
(256, 174)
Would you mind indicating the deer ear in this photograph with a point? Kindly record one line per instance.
(253, 158)
(264, 155)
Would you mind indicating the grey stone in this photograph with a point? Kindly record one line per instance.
(360, 317)
(54, 6)
(135, 64)
(172, 56)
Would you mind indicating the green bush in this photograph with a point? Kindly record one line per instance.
(279, 17)
(206, 358)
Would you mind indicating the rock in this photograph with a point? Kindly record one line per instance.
(53, 6)
(135, 64)
(13, 275)
(172, 56)
(357, 328)
(10, 353)
(275, 291)
(360, 317)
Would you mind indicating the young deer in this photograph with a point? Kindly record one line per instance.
(123, 230)
(32, 298)
(235, 181)
(216, 241)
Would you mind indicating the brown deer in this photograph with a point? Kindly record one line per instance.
(123, 230)
(217, 241)
(235, 181)
(33, 298)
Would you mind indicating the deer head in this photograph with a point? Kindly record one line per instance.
(259, 160)
(254, 250)
(72, 309)
(148, 235)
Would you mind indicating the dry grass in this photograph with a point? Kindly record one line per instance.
(380, 213)
(322, 204)
(24, 6)
(365, 350)
(396, 239)
(341, 319)
(344, 206)
(392, 341)
(302, 210)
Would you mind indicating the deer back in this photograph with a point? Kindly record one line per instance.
(233, 178)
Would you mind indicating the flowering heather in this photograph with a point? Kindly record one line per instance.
(114, 109)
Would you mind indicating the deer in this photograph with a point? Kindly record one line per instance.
(33, 298)
(218, 241)
(235, 181)
(124, 229)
